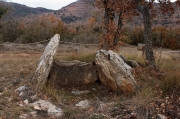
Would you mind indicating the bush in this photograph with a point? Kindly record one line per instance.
(171, 82)
(161, 36)
(135, 36)
(10, 31)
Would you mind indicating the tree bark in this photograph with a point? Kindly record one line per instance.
(120, 25)
(108, 18)
(144, 10)
(148, 37)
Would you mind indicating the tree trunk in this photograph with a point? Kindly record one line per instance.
(106, 22)
(144, 10)
(108, 18)
(120, 24)
(148, 37)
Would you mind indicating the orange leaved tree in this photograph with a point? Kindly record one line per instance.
(129, 8)
(112, 8)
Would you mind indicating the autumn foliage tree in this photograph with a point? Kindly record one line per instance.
(129, 8)
(113, 8)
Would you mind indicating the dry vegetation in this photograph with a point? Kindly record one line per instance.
(158, 94)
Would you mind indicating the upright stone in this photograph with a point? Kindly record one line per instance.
(46, 61)
(114, 72)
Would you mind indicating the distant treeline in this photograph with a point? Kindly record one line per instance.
(45, 26)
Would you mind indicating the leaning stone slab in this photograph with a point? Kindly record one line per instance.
(72, 73)
(46, 61)
(114, 72)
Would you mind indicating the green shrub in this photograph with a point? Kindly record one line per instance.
(83, 58)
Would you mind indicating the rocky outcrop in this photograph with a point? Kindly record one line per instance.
(72, 73)
(114, 72)
(46, 61)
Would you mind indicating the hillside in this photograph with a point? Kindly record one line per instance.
(82, 9)
(79, 10)
(18, 10)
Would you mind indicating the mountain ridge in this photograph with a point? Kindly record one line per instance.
(16, 10)
(81, 10)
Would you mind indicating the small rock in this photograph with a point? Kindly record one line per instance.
(23, 116)
(167, 98)
(34, 114)
(26, 101)
(160, 116)
(33, 98)
(22, 94)
(20, 89)
(80, 92)
(102, 107)
(162, 105)
(132, 63)
(36, 107)
(55, 111)
(21, 103)
(83, 104)
(10, 99)
(1, 94)
(47, 106)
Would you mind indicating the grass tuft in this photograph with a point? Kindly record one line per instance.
(81, 57)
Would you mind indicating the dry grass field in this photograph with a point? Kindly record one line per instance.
(159, 92)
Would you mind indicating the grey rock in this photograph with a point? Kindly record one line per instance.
(132, 63)
(22, 94)
(54, 111)
(34, 114)
(45, 62)
(34, 97)
(21, 89)
(10, 99)
(72, 73)
(83, 104)
(76, 92)
(114, 72)
(24, 116)
(26, 101)
(47, 106)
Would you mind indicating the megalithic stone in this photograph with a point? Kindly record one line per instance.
(45, 62)
(115, 73)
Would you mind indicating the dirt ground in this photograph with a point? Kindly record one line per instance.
(18, 65)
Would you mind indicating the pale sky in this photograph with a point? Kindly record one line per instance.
(49, 4)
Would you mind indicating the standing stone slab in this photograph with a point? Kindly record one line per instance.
(46, 61)
(114, 72)
(72, 73)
